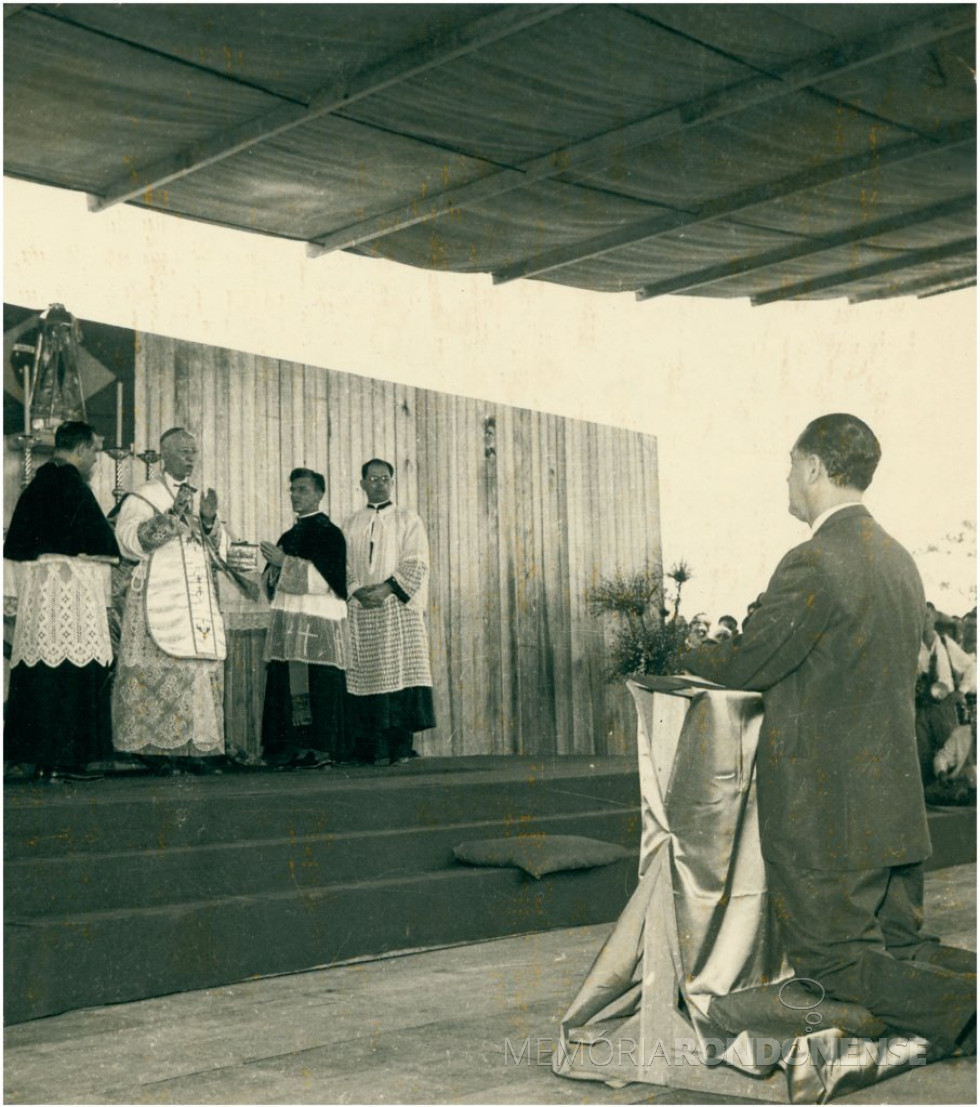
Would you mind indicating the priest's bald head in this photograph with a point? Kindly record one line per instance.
(178, 452)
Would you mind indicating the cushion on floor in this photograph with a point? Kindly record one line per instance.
(539, 854)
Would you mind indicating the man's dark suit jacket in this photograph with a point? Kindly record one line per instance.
(833, 649)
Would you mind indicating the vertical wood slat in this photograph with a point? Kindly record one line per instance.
(488, 522)
(336, 464)
(465, 480)
(287, 374)
(206, 470)
(516, 538)
(600, 562)
(384, 422)
(248, 405)
(543, 641)
(506, 578)
(273, 511)
(348, 449)
(528, 572)
(445, 559)
(560, 604)
(233, 496)
(582, 624)
(432, 510)
(405, 446)
(370, 447)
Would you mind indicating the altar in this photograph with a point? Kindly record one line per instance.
(246, 624)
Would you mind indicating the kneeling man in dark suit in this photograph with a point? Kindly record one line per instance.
(833, 648)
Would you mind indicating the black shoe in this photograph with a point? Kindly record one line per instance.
(202, 766)
(158, 766)
(310, 760)
(234, 765)
(236, 760)
(79, 775)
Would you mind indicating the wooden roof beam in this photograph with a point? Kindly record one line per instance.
(906, 260)
(956, 134)
(972, 283)
(910, 288)
(593, 154)
(806, 247)
(442, 49)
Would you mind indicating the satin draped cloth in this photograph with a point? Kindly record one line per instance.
(692, 988)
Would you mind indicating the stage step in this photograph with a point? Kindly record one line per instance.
(135, 887)
(114, 956)
(88, 881)
(155, 813)
(132, 888)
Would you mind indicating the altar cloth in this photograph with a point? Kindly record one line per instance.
(692, 989)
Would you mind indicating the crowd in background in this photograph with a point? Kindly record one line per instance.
(945, 696)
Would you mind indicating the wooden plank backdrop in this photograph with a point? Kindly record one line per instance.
(524, 512)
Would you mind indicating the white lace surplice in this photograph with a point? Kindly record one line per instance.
(61, 610)
(389, 647)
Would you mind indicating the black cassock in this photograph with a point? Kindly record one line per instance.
(58, 716)
(310, 714)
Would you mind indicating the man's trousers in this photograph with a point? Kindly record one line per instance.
(858, 934)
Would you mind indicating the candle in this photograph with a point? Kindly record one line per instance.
(27, 398)
(119, 398)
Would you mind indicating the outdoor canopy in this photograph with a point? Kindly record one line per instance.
(797, 151)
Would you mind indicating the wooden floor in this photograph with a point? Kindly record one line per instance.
(442, 1026)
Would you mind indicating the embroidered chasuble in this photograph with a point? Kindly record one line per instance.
(168, 692)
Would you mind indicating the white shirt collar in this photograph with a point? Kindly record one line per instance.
(825, 515)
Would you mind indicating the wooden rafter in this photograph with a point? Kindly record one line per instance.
(410, 63)
(957, 134)
(972, 283)
(806, 247)
(910, 288)
(906, 260)
(582, 158)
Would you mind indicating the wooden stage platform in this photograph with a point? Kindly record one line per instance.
(471, 1024)
(136, 886)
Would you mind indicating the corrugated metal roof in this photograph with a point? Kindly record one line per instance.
(765, 150)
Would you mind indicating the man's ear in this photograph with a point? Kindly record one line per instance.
(814, 468)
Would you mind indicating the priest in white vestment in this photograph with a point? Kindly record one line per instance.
(167, 703)
(388, 672)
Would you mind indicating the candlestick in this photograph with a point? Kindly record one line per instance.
(26, 442)
(119, 410)
(27, 397)
(149, 459)
(118, 455)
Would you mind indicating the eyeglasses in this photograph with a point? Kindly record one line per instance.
(378, 480)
